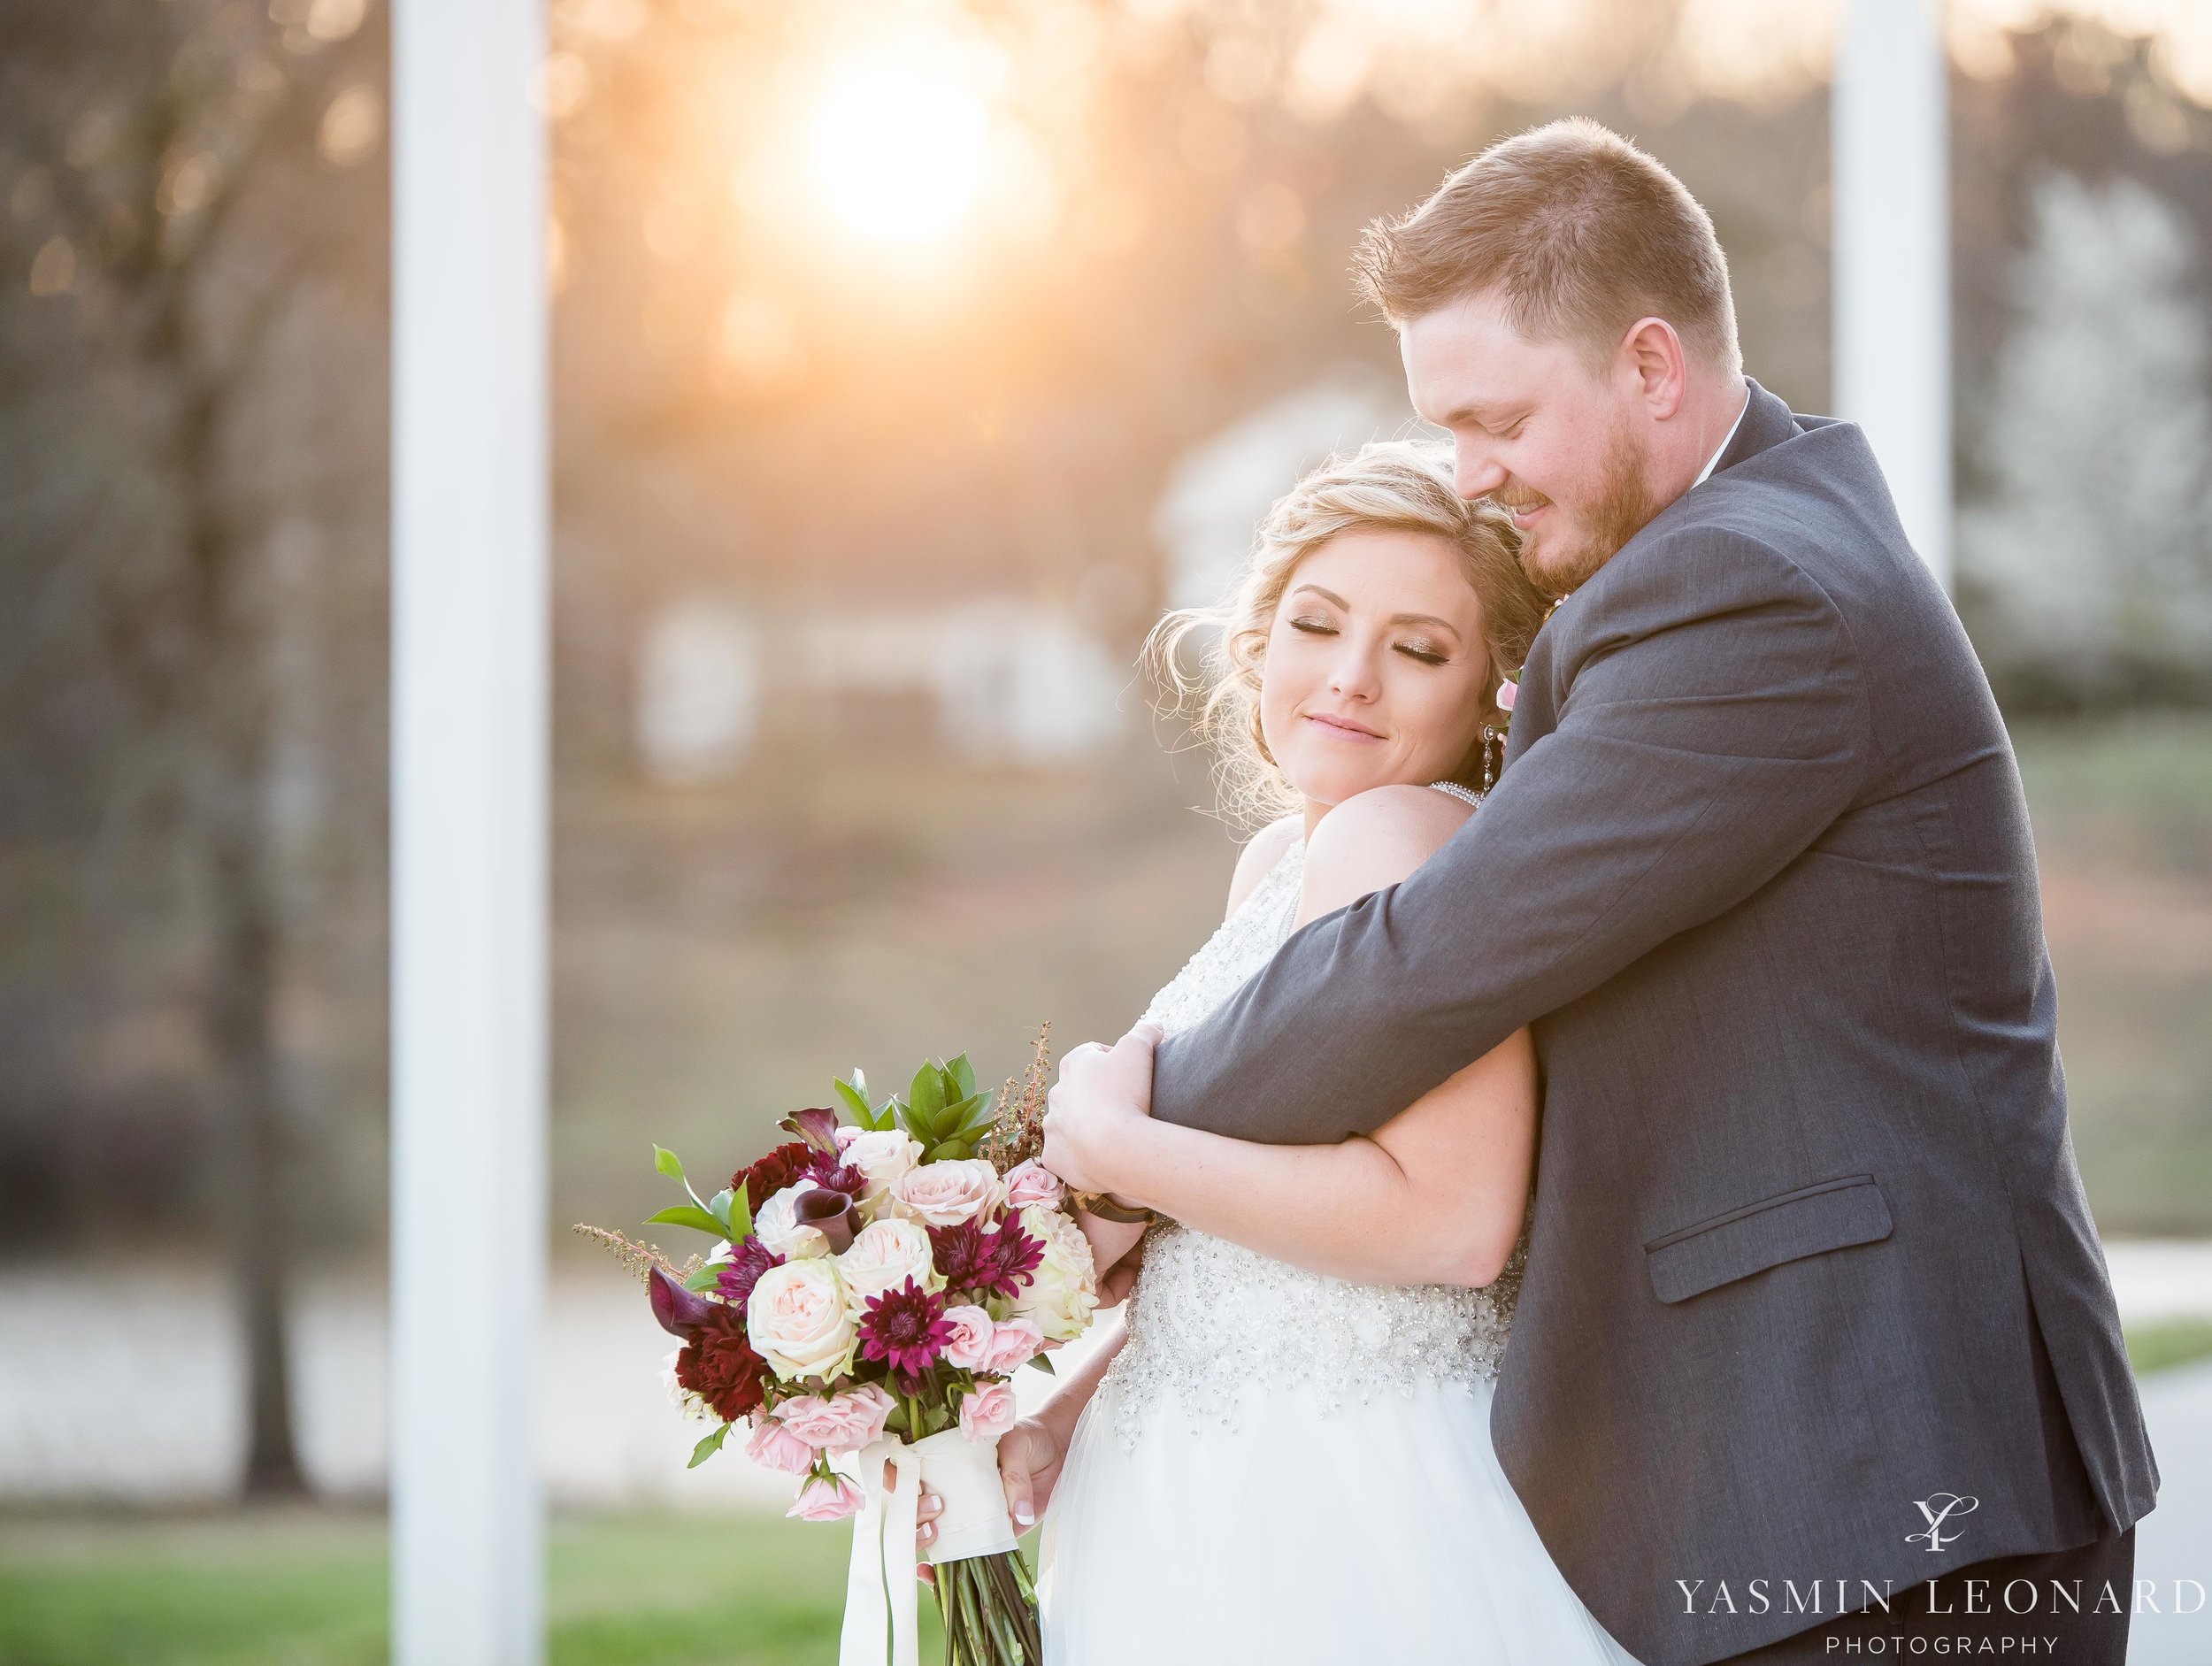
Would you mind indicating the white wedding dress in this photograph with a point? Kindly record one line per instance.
(1285, 1468)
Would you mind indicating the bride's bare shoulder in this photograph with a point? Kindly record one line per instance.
(1262, 851)
(1374, 839)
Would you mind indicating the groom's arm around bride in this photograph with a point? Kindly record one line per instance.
(1809, 1245)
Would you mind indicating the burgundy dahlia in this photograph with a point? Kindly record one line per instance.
(786, 1165)
(833, 1176)
(735, 1281)
(994, 1260)
(906, 1328)
(719, 1366)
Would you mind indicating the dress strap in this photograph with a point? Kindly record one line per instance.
(1465, 794)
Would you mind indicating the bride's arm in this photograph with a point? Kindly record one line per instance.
(1435, 1196)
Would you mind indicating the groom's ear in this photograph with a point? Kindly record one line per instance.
(1652, 357)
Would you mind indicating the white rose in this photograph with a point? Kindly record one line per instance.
(777, 1225)
(881, 1155)
(1062, 1292)
(693, 1408)
(798, 1321)
(946, 1194)
(884, 1256)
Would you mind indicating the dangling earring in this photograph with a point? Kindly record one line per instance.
(1489, 739)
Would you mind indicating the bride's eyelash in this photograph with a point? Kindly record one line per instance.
(1412, 650)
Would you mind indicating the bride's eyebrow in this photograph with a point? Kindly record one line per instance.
(1396, 618)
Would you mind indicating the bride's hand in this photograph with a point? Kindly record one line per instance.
(1029, 1458)
(1102, 1095)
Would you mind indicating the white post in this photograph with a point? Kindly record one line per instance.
(1890, 141)
(468, 830)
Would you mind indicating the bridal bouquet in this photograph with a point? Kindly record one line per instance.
(875, 1284)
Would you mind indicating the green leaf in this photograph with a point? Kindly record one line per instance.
(741, 1216)
(949, 1151)
(963, 1074)
(688, 1215)
(667, 1163)
(719, 1205)
(708, 1447)
(702, 1277)
(926, 1098)
(974, 1116)
(855, 1102)
(1043, 1363)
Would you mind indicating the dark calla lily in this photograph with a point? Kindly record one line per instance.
(679, 1311)
(829, 1213)
(816, 1125)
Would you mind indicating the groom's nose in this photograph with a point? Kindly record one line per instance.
(1477, 472)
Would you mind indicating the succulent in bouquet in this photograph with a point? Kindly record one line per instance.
(876, 1281)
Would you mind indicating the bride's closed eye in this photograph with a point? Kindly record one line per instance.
(1420, 648)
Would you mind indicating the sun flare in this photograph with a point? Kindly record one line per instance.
(897, 152)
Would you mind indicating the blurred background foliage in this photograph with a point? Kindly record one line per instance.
(908, 358)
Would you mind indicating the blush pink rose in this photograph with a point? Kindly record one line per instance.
(1507, 691)
(947, 1193)
(774, 1447)
(826, 1500)
(970, 1342)
(844, 1423)
(987, 1411)
(1014, 1343)
(1031, 1182)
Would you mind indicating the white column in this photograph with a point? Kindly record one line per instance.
(468, 852)
(1892, 256)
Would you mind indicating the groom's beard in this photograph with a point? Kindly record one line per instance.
(1557, 561)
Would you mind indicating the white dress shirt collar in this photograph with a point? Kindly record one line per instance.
(1706, 473)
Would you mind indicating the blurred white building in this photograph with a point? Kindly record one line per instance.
(1221, 488)
(698, 690)
(995, 680)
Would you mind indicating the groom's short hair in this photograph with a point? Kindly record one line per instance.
(1580, 232)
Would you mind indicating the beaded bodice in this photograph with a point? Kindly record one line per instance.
(1210, 1321)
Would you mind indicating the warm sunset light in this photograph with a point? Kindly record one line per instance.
(898, 153)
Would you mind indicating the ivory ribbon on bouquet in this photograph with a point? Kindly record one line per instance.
(882, 1579)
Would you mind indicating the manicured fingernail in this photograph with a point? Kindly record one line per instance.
(1023, 1514)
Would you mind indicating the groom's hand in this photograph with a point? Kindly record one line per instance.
(1103, 1093)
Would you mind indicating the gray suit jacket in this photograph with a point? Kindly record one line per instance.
(1808, 1243)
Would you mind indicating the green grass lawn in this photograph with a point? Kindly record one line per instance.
(305, 1588)
(2153, 1347)
(2123, 814)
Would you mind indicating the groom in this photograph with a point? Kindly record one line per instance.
(1813, 1308)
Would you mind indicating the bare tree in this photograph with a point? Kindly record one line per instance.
(186, 175)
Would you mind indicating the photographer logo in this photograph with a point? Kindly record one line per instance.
(1936, 1511)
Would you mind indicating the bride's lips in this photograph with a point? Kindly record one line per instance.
(1344, 726)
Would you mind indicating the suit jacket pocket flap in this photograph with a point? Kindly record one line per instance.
(1810, 1221)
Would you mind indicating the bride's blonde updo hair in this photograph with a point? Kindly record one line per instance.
(1398, 485)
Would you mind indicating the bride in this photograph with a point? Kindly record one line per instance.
(1287, 1458)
